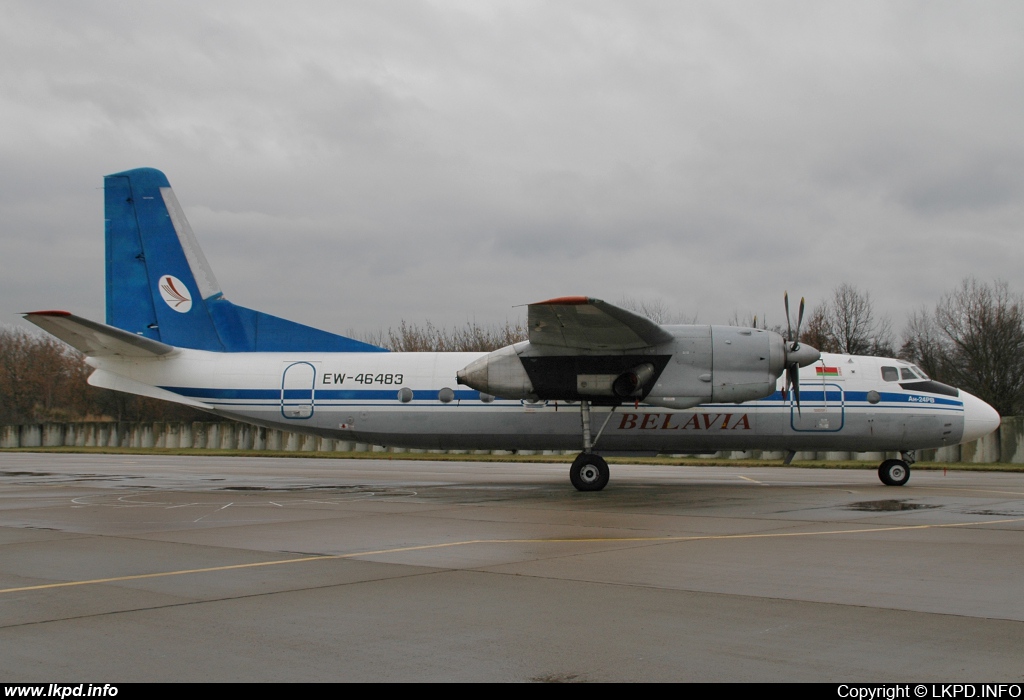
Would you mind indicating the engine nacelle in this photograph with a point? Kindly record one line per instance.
(702, 364)
(714, 364)
(500, 373)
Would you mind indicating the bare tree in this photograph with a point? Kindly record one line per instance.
(472, 337)
(40, 378)
(817, 330)
(974, 340)
(475, 337)
(923, 344)
(847, 323)
(751, 320)
(655, 309)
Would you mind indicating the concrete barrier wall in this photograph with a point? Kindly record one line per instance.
(173, 435)
(1004, 445)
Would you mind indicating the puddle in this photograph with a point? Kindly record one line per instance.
(302, 487)
(887, 506)
(58, 478)
(558, 678)
(327, 491)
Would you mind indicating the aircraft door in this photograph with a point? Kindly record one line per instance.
(298, 385)
(822, 405)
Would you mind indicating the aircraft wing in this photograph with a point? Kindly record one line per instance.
(96, 339)
(591, 324)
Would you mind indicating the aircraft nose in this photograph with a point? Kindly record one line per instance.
(980, 419)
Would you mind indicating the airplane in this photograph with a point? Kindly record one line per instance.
(591, 375)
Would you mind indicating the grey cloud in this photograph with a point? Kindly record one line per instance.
(350, 164)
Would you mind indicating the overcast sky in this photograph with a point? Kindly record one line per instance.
(353, 164)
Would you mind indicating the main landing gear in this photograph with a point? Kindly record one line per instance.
(896, 472)
(589, 471)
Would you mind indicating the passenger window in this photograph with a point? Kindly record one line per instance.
(907, 374)
(890, 374)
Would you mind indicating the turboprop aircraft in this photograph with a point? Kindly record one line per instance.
(591, 375)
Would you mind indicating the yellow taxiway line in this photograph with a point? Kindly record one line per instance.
(463, 543)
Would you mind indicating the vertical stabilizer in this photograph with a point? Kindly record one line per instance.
(151, 287)
(160, 285)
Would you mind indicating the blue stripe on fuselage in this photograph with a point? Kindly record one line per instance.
(321, 394)
(851, 397)
(848, 399)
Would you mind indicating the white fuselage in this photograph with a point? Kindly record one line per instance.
(413, 400)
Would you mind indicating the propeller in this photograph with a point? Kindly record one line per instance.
(797, 355)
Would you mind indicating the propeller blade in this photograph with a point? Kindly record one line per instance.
(799, 322)
(796, 388)
(795, 355)
(789, 327)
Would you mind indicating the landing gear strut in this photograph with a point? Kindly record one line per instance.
(896, 472)
(589, 471)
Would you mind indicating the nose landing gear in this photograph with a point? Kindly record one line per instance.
(896, 472)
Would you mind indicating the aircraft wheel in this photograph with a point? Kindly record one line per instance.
(589, 472)
(894, 472)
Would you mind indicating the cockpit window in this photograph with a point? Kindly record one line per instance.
(890, 374)
(930, 386)
(919, 372)
(906, 373)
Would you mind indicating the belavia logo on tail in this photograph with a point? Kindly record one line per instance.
(175, 293)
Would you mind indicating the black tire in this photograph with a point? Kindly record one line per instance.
(589, 472)
(894, 472)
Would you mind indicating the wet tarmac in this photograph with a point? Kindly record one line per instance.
(160, 568)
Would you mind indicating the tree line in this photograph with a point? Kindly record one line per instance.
(973, 338)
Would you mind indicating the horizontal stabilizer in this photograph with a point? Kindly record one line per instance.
(108, 380)
(591, 324)
(96, 339)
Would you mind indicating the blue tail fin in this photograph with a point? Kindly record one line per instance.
(159, 284)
